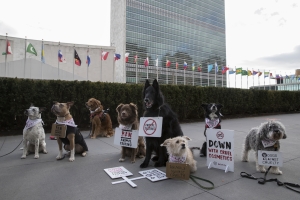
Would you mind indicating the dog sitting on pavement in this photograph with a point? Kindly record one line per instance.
(128, 120)
(100, 119)
(33, 132)
(212, 120)
(179, 151)
(74, 141)
(265, 137)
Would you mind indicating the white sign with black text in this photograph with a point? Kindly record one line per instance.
(154, 175)
(220, 149)
(126, 138)
(150, 126)
(117, 172)
(270, 158)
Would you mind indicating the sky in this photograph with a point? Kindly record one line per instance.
(260, 34)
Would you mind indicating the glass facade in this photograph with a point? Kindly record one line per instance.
(191, 31)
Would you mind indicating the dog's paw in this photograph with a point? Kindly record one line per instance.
(60, 156)
(275, 170)
(23, 156)
(36, 156)
(121, 160)
(93, 137)
(133, 161)
(108, 136)
(154, 158)
(45, 152)
(71, 159)
(261, 169)
(143, 165)
(83, 154)
(141, 156)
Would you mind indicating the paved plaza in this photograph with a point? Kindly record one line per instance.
(85, 178)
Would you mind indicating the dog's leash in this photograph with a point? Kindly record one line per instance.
(12, 150)
(205, 180)
(263, 180)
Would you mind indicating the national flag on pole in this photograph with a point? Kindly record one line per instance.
(210, 67)
(168, 63)
(156, 62)
(266, 74)
(76, 58)
(176, 65)
(216, 67)
(199, 68)
(104, 55)
(135, 58)
(231, 72)
(117, 56)
(43, 54)
(8, 48)
(185, 65)
(88, 60)
(224, 69)
(146, 62)
(238, 70)
(254, 72)
(61, 57)
(30, 48)
(193, 67)
(126, 57)
(259, 73)
(244, 73)
(249, 73)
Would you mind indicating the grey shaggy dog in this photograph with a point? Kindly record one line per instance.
(265, 137)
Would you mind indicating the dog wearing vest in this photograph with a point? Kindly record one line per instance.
(266, 138)
(74, 141)
(128, 120)
(212, 120)
(34, 133)
(100, 119)
(179, 151)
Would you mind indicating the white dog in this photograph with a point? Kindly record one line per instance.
(265, 137)
(179, 151)
(33, 133)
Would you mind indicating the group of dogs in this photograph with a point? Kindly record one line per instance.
(172, 146)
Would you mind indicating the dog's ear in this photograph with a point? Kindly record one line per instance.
(166, 142)
(219, 106)
(284, 136)
(31, 105)
(69, 104)
(134, 107)
(147, 84)
(155, 85)
(54, 102)
(118, 109)
(186, 137)
(42, 109)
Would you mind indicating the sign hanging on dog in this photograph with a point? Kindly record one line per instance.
(117, 172)
(270, 158)
(154, 175)
(58, 130)
(178, 171)
(220, 149)
(150, 126)
(126, 138)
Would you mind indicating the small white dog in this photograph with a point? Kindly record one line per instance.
(179, 151)
(33, 133)
(265, 137)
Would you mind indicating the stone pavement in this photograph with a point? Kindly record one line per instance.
(46, 178)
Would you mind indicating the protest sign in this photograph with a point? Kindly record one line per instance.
(150, 126)
(117, 172)
(154, 175)
(270, 158)
(126, 138)
(178, 170)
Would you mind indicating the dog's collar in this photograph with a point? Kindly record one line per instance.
(269, 143)
(177, 159)
(31, 123)
(125, 127)
(69, 122)
(212, 123)
(92, 111)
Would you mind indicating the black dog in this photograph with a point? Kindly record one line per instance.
(212, 120)
(154, 106)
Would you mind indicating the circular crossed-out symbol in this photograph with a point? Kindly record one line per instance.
(220, 135)
(149, 126)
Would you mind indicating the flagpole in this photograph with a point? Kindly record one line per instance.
(215, 74)
(167, 70)
(228, 78)
(193, 68)
(235, 78)
(147, 66)
(264, 81)
(73, 60)
(114, 66)
(253, 77)
(176, 69)
(157, 68)
(6, 54)
(42, 57)
(87, 65)
(269, 81)
(136, 72)
(101, 66)
(25, 56)
(58, 61)
(222, 78)
(247, 78)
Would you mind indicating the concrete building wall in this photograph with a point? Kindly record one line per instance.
(118, 35)
(99, 70)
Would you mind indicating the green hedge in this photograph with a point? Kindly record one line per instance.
(18, 94)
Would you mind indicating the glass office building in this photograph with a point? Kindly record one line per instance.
(181, 31)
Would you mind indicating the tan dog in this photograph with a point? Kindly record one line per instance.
(74, 141)
(101, 121)
(128, 120)
(179, 151)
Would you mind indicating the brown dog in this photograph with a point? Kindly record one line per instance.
(101, 121)
(128, 120)
(74, 141)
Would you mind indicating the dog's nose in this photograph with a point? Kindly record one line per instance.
(183, 145)
(146, 100)
(276, 131)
